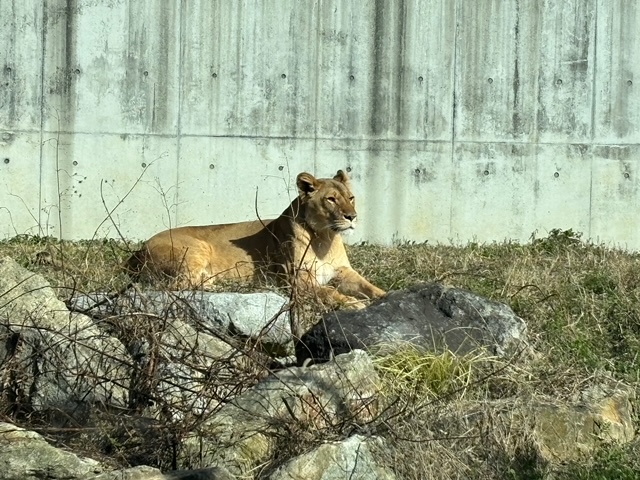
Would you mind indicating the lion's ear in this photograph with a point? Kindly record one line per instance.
(341, 176)
(306, 182)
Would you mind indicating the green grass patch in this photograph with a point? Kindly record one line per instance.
(614, 463)
(411, 373)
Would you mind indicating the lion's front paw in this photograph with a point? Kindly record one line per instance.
(352, 303)
(378, 293)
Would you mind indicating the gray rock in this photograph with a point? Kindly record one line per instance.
(26, 455)
(134, 473)
(501, 329)
(555, 431)
(148, 473)
(602, 414)
(243, 433)
(181, 360)
(350, 458)
(214, 473)
(54, 360)
(430, 316)
(262, 315)
(182, 343)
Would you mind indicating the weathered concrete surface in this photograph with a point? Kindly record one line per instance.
(458, 120)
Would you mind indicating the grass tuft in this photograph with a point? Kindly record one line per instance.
(411, 373)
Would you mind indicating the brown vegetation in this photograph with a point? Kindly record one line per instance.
(581, 302)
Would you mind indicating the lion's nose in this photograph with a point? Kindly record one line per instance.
(350, 217)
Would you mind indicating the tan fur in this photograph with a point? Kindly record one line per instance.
(302, 247)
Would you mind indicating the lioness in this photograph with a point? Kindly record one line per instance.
(302, 247)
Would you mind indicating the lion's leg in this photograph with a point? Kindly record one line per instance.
(185, 265)
(198, 274)
(191, 279)
(350, 282)
(307, 285)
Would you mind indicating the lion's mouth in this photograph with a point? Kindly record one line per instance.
(343, 227)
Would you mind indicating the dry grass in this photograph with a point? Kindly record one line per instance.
(84, 266)
(581, 302)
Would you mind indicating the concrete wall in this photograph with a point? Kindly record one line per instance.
(457, 119)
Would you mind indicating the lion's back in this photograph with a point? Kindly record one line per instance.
(227, 250)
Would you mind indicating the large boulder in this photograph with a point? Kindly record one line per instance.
(149, 473)
(262, 316)
(243, 434)
(350, 458)
(430, 316)
(26, 455)
(54, 360)
(529, 434)
(190, 347)
(602, 414)
(179, 370)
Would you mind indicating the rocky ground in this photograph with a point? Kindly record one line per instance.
(433, 381)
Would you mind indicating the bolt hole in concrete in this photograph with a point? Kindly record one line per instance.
(629, 82)
(486, 172)
(75, 163)
(77, 71)
(283, 76)
(352, 78)
(214, 75)
(212, 166)
(490, 80)
(627, 175)
(556, 174)
(348, 169)
(281, 167)
(6, 160)
(145, 73)
(144, 165)
(420, 79)
(559, 81)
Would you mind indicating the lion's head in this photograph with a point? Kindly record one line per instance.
(330, 205)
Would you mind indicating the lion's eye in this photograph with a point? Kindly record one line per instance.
(331, 199)
(351, 199)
